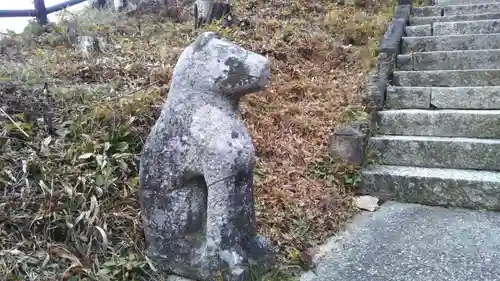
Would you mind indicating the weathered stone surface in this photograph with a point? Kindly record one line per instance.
(418, 30)
(403, 12)
(466, 97)
(450, 43)
(402, 97)
(385, 66)
(463, 2)
(428, 11)
(429, 20)
(407, 242)
(450, 60)
(196, 167)
(437, 152)
(471, 9)
(90, 45)
(433, 186)
(443, 123)
(443, 97)
(177, 278)
(466, 27)
(348, 144)
(366, 202)
(392, 36)
(373, 95)
(404, 62)
(447, 78)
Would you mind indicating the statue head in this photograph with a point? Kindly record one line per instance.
(217, 65)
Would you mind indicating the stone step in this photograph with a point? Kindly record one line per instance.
(436, 152)
(463, 27)
(429, 20)
(455, 10)
(462, 2)
(450, 60)
(450, 43)
(443, 97)
(454, 28)
(427, 11)
(418, 30)
(447, 78)
(408, 97)
(440, 123)
(433, 186)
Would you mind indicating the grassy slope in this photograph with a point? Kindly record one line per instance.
(68, 204)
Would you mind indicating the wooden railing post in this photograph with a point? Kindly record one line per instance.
(101, 4)
(41, 12)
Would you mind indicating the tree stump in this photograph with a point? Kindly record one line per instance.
(214, 11)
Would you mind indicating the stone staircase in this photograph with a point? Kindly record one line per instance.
(437, 143)
(438, 137)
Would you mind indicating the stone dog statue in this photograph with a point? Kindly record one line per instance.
(196, 167)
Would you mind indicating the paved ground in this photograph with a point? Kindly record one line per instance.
(407, 242)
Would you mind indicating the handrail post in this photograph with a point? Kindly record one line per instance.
(41, 12)
(101, 4)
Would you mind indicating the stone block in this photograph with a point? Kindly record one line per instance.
(450, 60)
(437, 152)
(405, 62)
(177, 278)
(443, 123)
(447, 78)
(403, 12)
(433, 186)
(196, 167)
(392, 36)
(418, 30)
(429, 20)
(373, 94)
(428, 11)
(463, 2)
(482, 8)
(408, 97)
(348, 144)
(466, 97)
(467, 27)
(450, 43)
(90, 45)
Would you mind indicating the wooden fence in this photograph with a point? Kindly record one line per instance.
(40, 11)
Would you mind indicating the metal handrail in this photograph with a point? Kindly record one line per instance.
(40, 11)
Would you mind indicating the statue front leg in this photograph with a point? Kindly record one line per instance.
(230, 220)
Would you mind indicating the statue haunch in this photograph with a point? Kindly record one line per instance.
(196, 166)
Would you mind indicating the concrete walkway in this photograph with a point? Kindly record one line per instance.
(408, 242)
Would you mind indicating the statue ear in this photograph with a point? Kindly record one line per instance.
(202, 40)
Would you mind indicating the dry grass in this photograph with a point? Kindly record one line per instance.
(68, 204)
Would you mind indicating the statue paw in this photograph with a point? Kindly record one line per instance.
(260, 251)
